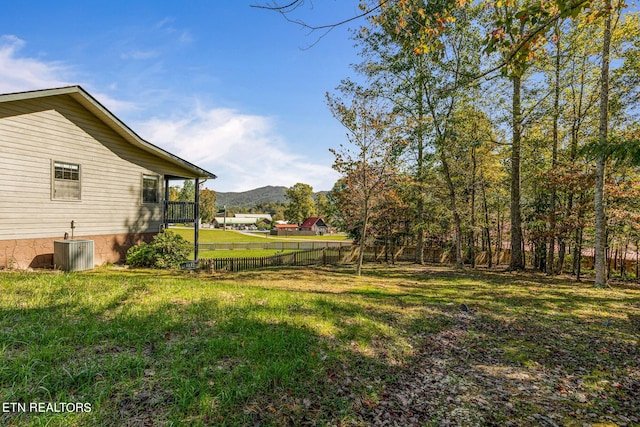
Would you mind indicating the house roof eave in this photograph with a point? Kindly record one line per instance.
(95, 107)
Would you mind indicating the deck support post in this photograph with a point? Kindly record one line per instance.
(196, 220)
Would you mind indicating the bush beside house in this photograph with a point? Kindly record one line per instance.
(166, 250)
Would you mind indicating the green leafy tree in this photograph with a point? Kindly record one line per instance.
(207, 205)
(334, 210)
(275, 209)
(323, 209)
(301, 205)
(174, 191)
(424, 87)
(188, 191)
(366, 164)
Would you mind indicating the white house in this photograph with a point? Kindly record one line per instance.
(64, 157)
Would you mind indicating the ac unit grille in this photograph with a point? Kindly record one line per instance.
(73, 255)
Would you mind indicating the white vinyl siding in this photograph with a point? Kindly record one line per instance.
(35, 133)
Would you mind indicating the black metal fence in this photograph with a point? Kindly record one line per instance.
(273, 246)
(327, 255)
(321, 256)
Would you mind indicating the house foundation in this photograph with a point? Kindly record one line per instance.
(38, 253)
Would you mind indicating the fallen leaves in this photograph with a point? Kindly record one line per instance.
(456, 380)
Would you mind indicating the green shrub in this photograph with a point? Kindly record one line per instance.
(167, 250)
(142, 255)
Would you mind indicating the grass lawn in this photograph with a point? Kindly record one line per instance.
(221, 236)
(231, 236)
(218, 236)
(403, 345)
(329, 237)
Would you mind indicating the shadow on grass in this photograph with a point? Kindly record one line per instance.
(147, 350)
(150, 348)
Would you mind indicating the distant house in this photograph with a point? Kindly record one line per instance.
(64, 157)
(315, 224)
(241, 221)
(256, 217)
(233, 222)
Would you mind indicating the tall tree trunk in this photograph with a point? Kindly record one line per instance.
(420, 176)
(580, 108)
(578, 254)
(517, 254)
(419, 219)
(393, 251)
(623, 260)
(486, 225)
(472, 243)
(363, 238)
(454, 209)
(607, 253)
(554, 160)
(562, 247)
(637, 259)
(386, 248)
(499, 238)
(600, 232)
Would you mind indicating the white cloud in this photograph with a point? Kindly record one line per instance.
(21, 74)
(243, 150)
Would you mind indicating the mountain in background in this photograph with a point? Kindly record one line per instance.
(248, 199)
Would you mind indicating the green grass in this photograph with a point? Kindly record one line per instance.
(231, 236)
(329, 237)
(221, 236)
(218, 236)
(317, 346)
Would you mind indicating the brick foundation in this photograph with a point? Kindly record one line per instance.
(38, 253)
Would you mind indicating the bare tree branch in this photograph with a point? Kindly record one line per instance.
(285, 10)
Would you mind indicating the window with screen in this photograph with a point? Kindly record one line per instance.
(66, 181)
(150, 189)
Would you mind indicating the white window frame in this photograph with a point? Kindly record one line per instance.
(146, 176)
(75, 175)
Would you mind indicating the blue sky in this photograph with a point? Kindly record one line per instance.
(234, 89)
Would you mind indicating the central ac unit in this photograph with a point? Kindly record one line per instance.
(73, 255)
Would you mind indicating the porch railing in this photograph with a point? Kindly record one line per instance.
(179, 212)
